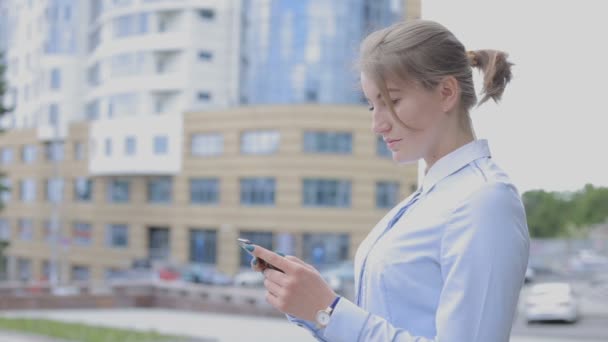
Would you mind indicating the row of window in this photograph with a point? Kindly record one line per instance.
(206, 191)
(318, 249)
(203, 145)
(132, 24)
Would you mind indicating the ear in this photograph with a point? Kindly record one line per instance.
(449, 92)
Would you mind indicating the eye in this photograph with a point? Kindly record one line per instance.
(395, 101)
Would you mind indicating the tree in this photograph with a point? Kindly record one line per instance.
(555, 214)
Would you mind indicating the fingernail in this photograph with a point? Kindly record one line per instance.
(250, 248)
(255, 261)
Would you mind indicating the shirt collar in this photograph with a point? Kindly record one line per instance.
(455, 161)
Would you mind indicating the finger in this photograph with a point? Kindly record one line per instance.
(272, 300)
(273, 259)
(273, 288)
(276, 277)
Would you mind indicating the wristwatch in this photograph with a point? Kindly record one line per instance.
(324, 315)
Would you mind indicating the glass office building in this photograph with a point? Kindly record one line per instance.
(301, 51)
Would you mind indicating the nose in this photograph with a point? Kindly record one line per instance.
(380, 124)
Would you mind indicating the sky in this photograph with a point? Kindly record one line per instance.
(551, 129)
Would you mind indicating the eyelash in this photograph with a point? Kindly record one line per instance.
(395, 102)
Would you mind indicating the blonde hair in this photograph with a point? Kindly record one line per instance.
(426, 51)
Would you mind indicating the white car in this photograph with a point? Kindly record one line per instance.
(249, 278)
(551, 301)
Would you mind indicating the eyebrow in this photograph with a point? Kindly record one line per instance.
(389, 90)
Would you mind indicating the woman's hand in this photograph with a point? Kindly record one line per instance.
(300, 291)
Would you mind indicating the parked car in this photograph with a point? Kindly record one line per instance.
(249, 278)
(551, 302)
(530, 274)
(201, 274)
(340, 277)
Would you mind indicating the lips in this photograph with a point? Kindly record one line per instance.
(392, 142)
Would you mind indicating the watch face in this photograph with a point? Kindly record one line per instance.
(323, 317)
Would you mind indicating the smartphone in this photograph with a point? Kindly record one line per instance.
(245, 242)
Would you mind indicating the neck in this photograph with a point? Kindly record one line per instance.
(447, 145)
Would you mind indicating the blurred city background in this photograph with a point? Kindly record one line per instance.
(141, 138)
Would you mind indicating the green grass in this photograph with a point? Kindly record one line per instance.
(81, 332)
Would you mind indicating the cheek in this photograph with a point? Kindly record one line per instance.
(414, 115)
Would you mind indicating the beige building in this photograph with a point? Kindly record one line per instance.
(305, 180)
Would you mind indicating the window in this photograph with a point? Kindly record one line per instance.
(207, 144)
(28, 154)
(83, 189)
(381, 148)
(203, 246)
(122, 105)
(204, 96)
(27, 190)
(260, 142)
(79, 150)
(328, 142)
(92, 110)
(5, 190)
(81, 234)
(5, 230)
(26, 229)
(118, 191)
(53, 114)
(204, 191)
(108, 147)
(263, 239)
(161, 144)
(207, 14)
(159, 190)
(325, 248)
(117, 235)
(7, 155)
(130, 25)
(130, 146)
(24, 269)
(205, 56)
(54, 190)
(55, 78)
(52, 231)
(54, 151)
(93, 74)
(257, 191)
(80, 273)
(326, 193)
(127, 64)
(387, 194)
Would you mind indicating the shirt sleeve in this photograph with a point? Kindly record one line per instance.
(483, 255)
(308, 325)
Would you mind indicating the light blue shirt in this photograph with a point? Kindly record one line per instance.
(451, 267)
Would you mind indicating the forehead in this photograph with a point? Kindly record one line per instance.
(370, 89)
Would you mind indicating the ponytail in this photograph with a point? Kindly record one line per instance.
(496, 70)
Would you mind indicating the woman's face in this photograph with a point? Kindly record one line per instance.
(418, 108)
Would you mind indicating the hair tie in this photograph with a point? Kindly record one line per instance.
(472, 56)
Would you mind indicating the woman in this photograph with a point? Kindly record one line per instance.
(448, 262)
